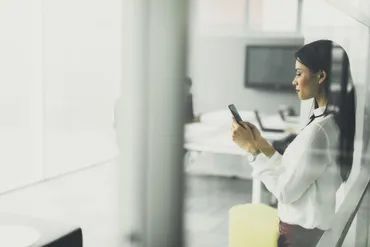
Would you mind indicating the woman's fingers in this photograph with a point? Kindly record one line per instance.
(248, 126)
(243, 135)
(254, 129)
(252, 126)
(234, 125)
(243, 125)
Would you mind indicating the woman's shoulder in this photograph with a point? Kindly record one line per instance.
(324, 127)
(319, 126)
(326, 123)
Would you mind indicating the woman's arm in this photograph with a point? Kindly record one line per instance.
(308, 162)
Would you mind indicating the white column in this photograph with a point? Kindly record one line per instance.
(131, 116)
(166, 74)
(149, 121)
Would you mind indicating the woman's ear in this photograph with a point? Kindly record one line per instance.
(322, 75)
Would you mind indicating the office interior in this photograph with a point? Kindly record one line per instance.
(114, 120)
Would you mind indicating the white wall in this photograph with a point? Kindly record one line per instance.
(60, 72)
(82, 73)
(20, 95)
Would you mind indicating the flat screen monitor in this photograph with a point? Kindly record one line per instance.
(270, 66)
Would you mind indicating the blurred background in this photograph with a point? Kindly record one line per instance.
(114, 119)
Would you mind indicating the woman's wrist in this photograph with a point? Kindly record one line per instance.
(263, 146)
(252, 149)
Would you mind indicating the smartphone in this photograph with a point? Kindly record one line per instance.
(236, 114)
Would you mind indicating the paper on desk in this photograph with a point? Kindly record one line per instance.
(273, 121)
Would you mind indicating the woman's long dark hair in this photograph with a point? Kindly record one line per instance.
(340, 91)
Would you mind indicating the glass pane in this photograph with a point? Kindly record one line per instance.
(217, 67)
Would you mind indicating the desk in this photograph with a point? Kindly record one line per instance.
(47, 233)
(213, 135)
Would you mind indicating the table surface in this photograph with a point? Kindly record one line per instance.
(42, 232)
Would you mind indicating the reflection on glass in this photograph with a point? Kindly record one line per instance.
(311, 177)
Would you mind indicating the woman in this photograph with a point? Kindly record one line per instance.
(306, 177)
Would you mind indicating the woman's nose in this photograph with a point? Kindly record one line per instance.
(294, 83)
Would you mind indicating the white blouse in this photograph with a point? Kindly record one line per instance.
(305, 179)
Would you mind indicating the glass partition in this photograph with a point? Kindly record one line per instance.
(218, 174)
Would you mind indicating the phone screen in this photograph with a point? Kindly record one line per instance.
(235, 113)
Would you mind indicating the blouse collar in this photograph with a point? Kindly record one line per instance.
(319, 111)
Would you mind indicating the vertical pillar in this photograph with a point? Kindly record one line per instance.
(131, 116)
(149, 118)
(166, 83)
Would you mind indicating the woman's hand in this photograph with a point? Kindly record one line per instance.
(244, 137)
(260, 142)
(249, 138)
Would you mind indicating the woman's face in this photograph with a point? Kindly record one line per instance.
(305, 82)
